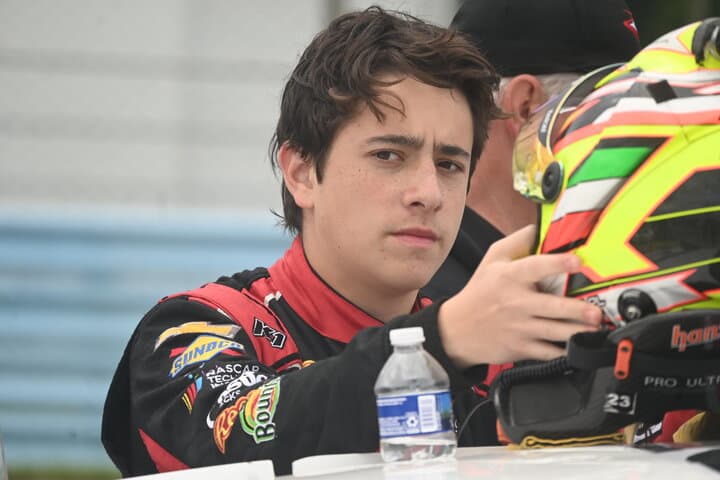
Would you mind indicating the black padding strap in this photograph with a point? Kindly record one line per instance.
(590, 351)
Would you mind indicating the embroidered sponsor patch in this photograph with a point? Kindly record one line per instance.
(261, 329)
(179, 351)
(241, 377)
(296, 365)
(244, 376)
(247, 375)
(227, 331)
(191, 392)
(255, 412)
(203, 348)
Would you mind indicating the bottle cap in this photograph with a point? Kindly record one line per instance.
(407, 336)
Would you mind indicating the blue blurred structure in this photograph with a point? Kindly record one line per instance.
(72, 288)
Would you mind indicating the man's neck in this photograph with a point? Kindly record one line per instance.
(385, 309)
(382, 303)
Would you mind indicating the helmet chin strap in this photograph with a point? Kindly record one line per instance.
(609, 380)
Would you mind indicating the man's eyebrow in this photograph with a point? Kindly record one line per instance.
(402, 140)
(417, 143)
(451, 150)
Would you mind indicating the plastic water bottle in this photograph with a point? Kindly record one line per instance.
(413, 401)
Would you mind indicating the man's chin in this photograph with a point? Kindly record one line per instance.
(409, 279)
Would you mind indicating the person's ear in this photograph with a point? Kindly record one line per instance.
(520, 97)
(298, 174)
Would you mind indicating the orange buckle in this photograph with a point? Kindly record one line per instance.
(622, 359)
(502, 438)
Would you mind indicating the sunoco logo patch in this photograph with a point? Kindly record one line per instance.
(203, 348)
(227, 331)
(255, 410)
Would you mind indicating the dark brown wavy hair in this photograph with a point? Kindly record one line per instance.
(342, 70)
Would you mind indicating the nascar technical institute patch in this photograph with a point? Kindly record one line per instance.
(225, 373)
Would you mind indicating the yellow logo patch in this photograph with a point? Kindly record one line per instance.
(227, 331)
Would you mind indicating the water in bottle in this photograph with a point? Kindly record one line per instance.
(413, 400)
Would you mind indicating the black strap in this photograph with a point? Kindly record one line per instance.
(590, 351)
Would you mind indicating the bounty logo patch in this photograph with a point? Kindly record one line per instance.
(256, 411)
(202, 349)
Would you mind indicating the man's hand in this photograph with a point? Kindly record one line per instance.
(500, 316)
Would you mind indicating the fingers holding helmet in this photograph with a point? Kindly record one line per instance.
(501, 316)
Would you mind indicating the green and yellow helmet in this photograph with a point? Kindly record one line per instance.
(625, 166)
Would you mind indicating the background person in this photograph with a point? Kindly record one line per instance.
(538, 48)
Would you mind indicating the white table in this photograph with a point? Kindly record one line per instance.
(497, 463)
(587, 463)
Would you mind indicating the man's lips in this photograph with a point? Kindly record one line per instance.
(417, 235)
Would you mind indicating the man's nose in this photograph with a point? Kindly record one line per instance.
(425, 189)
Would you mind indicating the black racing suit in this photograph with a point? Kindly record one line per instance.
(292, 377)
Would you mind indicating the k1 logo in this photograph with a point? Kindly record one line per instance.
(261, 329)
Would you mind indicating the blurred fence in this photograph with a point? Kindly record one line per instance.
(72, 289)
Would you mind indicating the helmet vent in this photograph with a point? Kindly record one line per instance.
(661, 91)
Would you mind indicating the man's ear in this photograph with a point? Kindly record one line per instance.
(298, 174)
(520, 97)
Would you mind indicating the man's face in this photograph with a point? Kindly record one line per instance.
(392, 194)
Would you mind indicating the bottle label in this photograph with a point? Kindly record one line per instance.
(419, 414)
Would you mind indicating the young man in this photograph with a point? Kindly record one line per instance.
(538, 48)
(379, 125)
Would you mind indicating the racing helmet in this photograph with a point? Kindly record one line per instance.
(625, 168)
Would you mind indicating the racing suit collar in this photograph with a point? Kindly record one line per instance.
(315, 301)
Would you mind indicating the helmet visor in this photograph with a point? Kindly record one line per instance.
(533, 152)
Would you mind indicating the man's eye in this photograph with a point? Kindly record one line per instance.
(451, 166)
(387, 155)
